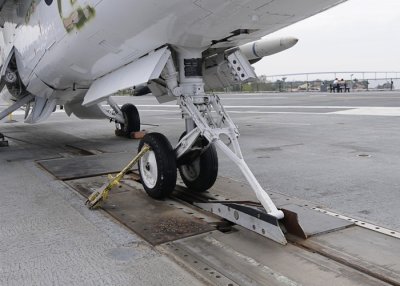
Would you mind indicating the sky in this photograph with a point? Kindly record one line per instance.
(358, 35)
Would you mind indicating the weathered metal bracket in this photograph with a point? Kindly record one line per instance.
(252, 218)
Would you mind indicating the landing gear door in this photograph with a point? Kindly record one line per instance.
(136, 73)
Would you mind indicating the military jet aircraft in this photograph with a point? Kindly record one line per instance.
(78, 53)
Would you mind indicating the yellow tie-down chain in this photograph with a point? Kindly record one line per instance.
(101, 194)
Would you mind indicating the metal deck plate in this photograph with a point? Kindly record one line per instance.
(156, 221)
(249, 259)
(86, 166)
(232, 190)
(314, 223)
(363, 249)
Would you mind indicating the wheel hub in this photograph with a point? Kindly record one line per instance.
(191, 170)
(148, 169)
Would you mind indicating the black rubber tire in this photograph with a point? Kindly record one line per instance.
(204, 177)
(166, 165)
(132, 121)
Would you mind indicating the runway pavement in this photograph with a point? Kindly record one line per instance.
(337, 150)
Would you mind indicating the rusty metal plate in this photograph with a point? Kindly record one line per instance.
(86, 166)
(86, 186)
(155, 221)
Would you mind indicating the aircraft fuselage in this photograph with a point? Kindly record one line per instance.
(65, 43)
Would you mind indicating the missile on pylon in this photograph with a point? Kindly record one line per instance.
(255, 51)
(219, 72)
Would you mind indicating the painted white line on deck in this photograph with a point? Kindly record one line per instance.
(372, 111)
(280, 106)
(357, 111)
(160, 110)
(247, 98)
(289, 123)
(238, 111)
(351, 110)
(22, 112)
(271, 112)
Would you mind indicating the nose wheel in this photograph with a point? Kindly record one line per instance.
(157, 168)
(199, 169)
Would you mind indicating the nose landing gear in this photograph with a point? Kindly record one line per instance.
(206, 120)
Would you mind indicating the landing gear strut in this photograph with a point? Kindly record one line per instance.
(206, 118)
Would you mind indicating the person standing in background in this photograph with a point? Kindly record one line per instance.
(336, 85)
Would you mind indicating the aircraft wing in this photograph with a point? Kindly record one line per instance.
(240, 22)
(218, 24)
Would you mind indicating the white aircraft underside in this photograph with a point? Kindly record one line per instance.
(118, 32)
(77, 53)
